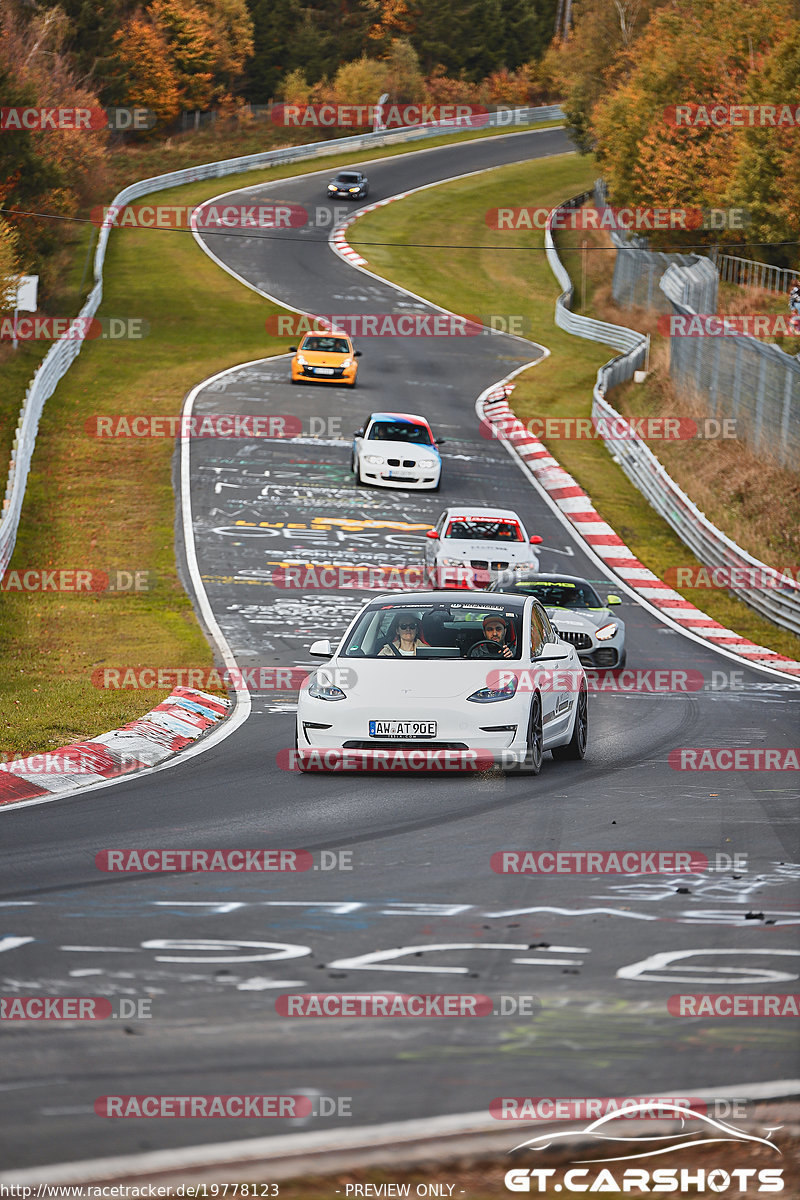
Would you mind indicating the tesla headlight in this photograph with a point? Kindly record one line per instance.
(489, 695)
(426, 463)
(374, 460)
(325, 691)
(606, 631)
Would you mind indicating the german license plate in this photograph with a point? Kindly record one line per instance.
(324, 370)
(402, 729)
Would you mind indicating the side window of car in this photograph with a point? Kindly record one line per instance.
(538, 632)
(549, 632)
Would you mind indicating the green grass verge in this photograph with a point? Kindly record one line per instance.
(97, 505)
(509, 272)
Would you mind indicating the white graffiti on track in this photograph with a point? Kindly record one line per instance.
(704, 886)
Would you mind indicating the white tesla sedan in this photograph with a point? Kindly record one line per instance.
(397, 450)
(471, 547)
(448, 672)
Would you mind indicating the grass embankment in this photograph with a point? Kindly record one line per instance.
(509, 272)
(100, 505)
(752, 499)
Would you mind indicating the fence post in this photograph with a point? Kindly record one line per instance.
(784, 457)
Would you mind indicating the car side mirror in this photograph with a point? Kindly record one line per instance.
(357, 354)
(432, 534)
(293, 349)
(359, 433)
(612, 599)
(439, 442)
(321, 649)
(536, 540)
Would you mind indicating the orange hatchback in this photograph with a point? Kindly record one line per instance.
(325, 358)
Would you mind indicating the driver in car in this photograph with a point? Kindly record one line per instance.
(495, 629)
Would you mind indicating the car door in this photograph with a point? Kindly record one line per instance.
(555, 702)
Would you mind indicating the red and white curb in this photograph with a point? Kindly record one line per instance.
(578, 509)
(168, 728)
(339, 239)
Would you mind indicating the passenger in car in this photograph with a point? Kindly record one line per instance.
(402, 637)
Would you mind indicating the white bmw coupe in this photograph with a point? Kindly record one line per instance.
(452, 672)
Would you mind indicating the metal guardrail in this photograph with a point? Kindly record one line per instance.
(748, 273)
(63, 352)
(779, 600)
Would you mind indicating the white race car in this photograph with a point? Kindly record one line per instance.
(438, 671)
(470, 547)
(396, 450)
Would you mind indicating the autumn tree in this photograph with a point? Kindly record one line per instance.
(766, 179)
(43, 172)
(595, 57)
(707, 52)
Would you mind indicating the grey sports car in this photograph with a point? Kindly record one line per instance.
(577, 612)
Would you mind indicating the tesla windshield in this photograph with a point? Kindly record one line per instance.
(399, 431)
(437, 630)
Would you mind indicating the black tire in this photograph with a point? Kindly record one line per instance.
(293, 380)
(576, 747)
(622, 661)
(535, 749)
(359, 481)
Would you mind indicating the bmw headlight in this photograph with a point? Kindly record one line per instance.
(490, 695)
(325, 691)
(374, 460)
(426, 463)
(606, 631)
(451, 562)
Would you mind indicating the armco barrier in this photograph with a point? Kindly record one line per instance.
(61, 354)
(780, 603)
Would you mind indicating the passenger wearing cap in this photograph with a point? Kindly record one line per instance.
(495, 630)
